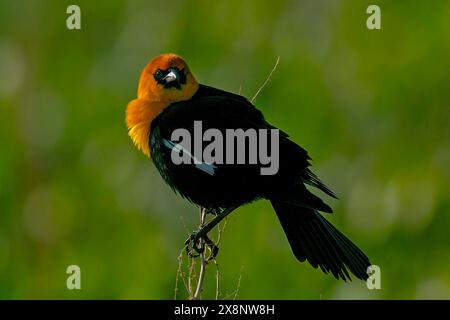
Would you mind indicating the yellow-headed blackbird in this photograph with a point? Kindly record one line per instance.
(170, 98)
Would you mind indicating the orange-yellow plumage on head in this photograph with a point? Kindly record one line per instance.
(166, 79)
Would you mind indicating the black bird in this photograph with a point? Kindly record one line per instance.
(170, 98)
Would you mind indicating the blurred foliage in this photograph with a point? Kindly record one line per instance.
(371, 107)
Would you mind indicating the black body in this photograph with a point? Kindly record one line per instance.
(310, 235)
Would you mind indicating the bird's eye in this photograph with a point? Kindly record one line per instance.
(158, 75)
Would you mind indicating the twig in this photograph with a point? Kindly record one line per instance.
(181, 274)
(217, 279)
(238, 286)
(267, 80)
(235, 293)
(219, 237)
(191, 276)
(220, 230)
(201, 276)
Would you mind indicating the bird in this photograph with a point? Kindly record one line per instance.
(169, 98)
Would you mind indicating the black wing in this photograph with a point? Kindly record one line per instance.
(223, 110)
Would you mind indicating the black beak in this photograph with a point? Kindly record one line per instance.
(174, 78)
(171, 76)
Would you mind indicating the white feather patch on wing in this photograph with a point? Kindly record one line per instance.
(204, 166)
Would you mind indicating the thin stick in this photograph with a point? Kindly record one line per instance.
(191, 267)
(220, 230)
(201, 276)
(179, 271)
(217, 279)
(219, 236)
(238, 286)
(267, 80)
(235, 293)
(181, 274)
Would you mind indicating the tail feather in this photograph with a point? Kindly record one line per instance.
(310, 178)
(315, 239)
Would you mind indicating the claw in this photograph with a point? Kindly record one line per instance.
(199, 246)
(187, 245)
(214, 248)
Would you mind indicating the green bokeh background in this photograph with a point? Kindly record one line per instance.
(371, 107)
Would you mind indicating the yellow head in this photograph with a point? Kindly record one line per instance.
(166, 79)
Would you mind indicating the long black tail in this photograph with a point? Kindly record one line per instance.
(315, 239)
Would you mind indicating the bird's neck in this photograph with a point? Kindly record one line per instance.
(139, 115)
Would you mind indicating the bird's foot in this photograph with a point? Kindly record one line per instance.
(194, 242)
(197, 240)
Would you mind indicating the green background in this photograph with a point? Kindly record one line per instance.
(370, 106)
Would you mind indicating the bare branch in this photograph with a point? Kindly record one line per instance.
(267, 80)
(201, 277)
(235, 293)
(238, 286)
(181, 274)
(191, 276)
